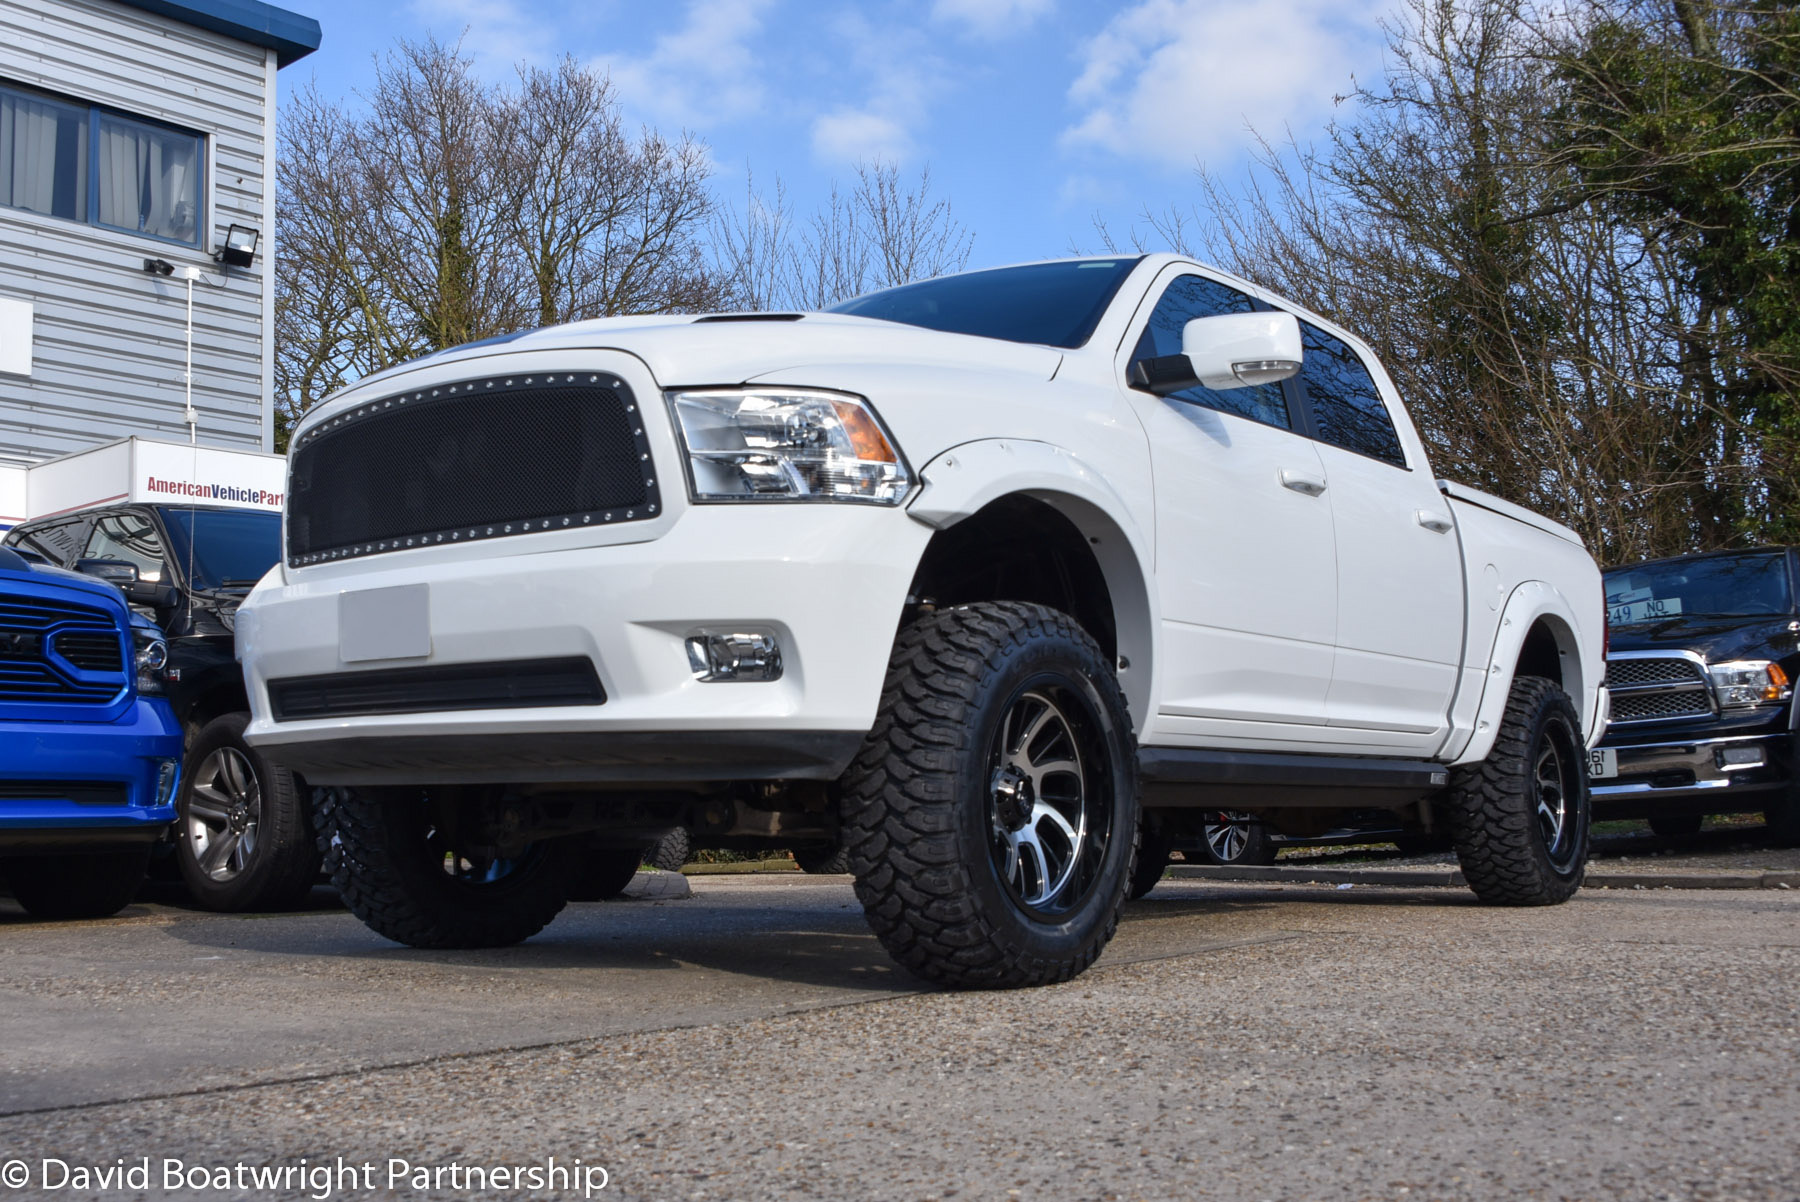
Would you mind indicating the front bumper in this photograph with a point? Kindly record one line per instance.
(85, 784)
(1682, 766)
(828, 581)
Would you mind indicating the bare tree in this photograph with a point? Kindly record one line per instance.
(452, 210)
(910, 236)
(754, 248)
(881, 233)
(1528, 329)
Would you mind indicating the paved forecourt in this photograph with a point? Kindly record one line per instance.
(1238, 1040)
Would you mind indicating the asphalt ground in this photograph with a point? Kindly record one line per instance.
(1250, 1041)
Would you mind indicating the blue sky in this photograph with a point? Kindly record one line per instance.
(1033, 115)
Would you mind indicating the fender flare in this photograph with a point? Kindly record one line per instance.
(966, 478)
(1530, 601)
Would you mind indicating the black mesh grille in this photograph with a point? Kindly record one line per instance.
(511, 684)
(1621, 672)
(91, 652)
(481, 459)
(1637, 707)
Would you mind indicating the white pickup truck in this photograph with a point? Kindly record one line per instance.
(990, 578)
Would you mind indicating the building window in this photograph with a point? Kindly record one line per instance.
(84, 163)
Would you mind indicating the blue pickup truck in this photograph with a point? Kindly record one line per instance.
(90, 753)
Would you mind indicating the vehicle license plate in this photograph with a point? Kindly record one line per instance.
(1603, 762)
(385, 623)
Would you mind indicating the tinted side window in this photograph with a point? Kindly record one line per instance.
(1346, 405)
(1192, 296)
(59, 542)
(130, 537)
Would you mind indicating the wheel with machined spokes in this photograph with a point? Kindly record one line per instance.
(992, 813)
(1521, 817)
(1046, 830)
(244, 840)
(1232, 838)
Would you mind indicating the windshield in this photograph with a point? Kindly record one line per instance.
(1729, 586)
(231, 548)
(1056, 304)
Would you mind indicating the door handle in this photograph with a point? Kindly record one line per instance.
(1302, 482)
(1435, 522)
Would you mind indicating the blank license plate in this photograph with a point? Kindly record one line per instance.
(1603, 762)
(385, 623)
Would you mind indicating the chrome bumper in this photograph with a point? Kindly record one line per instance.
(1694, 767)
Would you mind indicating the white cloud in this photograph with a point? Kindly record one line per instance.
(1172, 81)
(991, 18)
(900, 77)
(497, 34)
(857, 135)
(702, 75)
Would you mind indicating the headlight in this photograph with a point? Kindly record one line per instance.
(788, 444)
(1749, 682)
(152, 658)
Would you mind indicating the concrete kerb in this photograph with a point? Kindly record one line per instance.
(1453, 878)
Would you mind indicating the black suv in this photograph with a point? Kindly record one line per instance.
(243, 834)
(1704, 651)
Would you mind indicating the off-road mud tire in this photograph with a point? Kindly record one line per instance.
(376, 850)
(1492, 805)
(603, 873)
(916, 798)
(671, 851)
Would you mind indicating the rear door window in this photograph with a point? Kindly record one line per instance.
(1347, 410)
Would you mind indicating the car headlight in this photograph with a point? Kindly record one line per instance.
(1749, 682)
(152, 657)
(786, 444)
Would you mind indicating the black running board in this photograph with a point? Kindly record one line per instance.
(1186, 776)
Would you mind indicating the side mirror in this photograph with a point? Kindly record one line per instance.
(1240, 350)
(124, 576)
(113, 571)
(1232, 350)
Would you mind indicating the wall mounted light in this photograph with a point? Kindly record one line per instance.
(159, 267)
(240, 246)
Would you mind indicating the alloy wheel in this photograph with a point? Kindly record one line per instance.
(224, 813)
(1229, 836)
(1554, 792)
(1047, 833)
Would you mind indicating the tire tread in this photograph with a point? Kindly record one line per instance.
(900, 793)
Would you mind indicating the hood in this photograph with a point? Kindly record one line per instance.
(1716, 639)
(686, 351)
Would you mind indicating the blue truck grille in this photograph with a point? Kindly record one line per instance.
(55, 652)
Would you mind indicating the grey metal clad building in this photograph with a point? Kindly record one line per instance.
(134, 130)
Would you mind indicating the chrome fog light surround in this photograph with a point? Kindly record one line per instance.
(1730, 758)
(753, 658)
